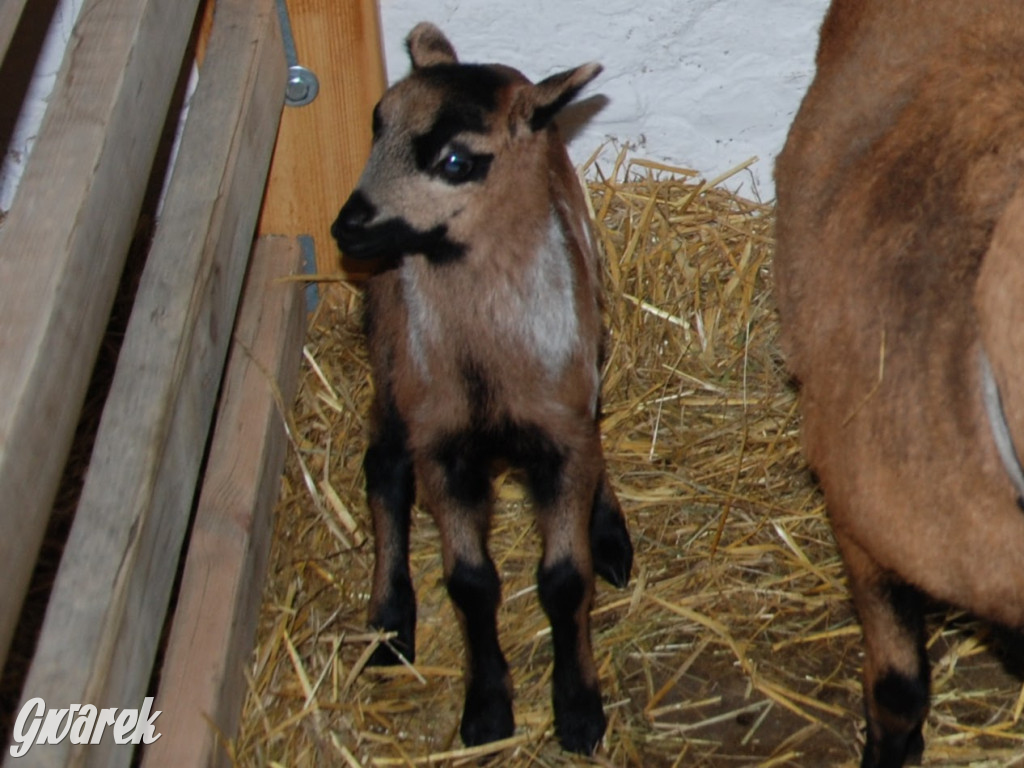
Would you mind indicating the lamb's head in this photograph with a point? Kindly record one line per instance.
(460, 151)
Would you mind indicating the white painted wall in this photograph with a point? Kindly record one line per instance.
(704, 84)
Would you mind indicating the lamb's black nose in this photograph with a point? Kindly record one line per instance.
(352, 219)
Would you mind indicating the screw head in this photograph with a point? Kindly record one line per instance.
(302, 87)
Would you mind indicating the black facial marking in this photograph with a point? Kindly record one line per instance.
(452, 120)
(392, 239)
(352, 219)
(475, 86)
(470, 95)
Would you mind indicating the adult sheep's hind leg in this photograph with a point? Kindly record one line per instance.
(390, 490)
(896, 674)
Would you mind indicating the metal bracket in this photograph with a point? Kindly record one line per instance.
(303, 85)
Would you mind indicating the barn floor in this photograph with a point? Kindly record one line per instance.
(734, 643)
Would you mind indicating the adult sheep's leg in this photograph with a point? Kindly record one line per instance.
(390, 490)
(896, 674)
(457, 491)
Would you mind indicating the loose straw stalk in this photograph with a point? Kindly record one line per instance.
(734, 643)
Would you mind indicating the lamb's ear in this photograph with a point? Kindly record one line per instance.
(428, 46)
(538, 104)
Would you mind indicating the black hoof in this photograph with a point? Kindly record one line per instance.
(486, 718)
(580, 723)
(386, 655)
(397, 614)
(402, 642)
(612, 552)
(894, 750)
(610, 547)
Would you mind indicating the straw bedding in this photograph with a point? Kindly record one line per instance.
(734, 643)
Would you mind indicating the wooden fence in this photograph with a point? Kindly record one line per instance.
(187, 456)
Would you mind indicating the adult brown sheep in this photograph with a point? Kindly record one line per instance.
(900, 285)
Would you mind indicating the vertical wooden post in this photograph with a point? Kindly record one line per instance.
(321, 147)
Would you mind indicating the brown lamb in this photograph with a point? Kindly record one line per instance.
(484, 331)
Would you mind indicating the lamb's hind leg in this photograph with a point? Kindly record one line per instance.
(563, 484)
(896, 674)
(609, 538)
(390, 489)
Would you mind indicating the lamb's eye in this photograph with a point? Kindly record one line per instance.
(456, 166)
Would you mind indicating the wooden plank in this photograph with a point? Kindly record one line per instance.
(321, 147)
(10, 15)
(202, 682)
(62, 249)
(109, 601)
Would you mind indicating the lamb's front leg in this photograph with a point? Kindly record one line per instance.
(457, 492)
(564, 492)
(390, 490)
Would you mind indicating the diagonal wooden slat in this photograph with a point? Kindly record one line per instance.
(62, 249)
(202, 681)
(107, 609)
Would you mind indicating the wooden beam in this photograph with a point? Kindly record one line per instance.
(202, 681)
(62, 249)
(10, 15)
(109, 601)
(321, 147)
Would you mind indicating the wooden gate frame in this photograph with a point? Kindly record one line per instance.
(62, 248)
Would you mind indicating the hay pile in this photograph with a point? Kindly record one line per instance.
(734, 643)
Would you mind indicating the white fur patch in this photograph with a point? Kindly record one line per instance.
(423, 332)
(547, 319)
(536, 306)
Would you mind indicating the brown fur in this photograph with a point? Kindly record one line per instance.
(493, 353)
(900, 235)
